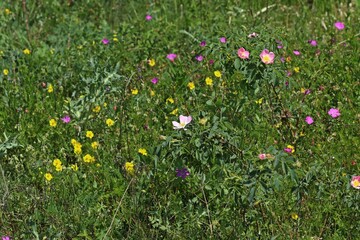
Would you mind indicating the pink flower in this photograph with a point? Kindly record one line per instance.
(309, 120)
(203, 44)
(184, 120)
(243, 54)
(339, 25)
(334, 112)
(105, 41)
(154, 80)
(252, 35)
(66, 119)
(307, 91)
(171, 57)
(148, 17)
(296, 52)
(312, 42)
(262, 156)
(355, 182)
(199, 58)
(267, 57)
(211, 61)
(223, 40)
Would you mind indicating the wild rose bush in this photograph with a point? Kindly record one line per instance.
(150, 127)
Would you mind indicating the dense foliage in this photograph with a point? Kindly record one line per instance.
(179, 119)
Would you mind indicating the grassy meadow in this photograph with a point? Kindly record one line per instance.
(179, 119)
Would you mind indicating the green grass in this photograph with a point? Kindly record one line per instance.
(253, 108)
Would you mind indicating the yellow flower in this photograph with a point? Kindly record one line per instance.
(50, 88)
(52, 122)
(59, 168)
(74, 142)
(217, 74)
(77, 149)
(175, 111)
(96, 109)
(115, 39)
(109, 122)
(191, 85)
(151, 62)
(203, 121)
(143, 151)
(302, 134)
(88, 158)
(152, 93)
(209, 81)
(6, 72)
(26, 51)
(296, 69)
(89, 134)
(105, 104)
(294, 216)
(95, 145)
(48, 177)
(291, 147)
(134, 91)
(170, 100)
(129, 167)
(57, 162)
(288, 59)
(259, 101)
(7, 11)
(74, 167)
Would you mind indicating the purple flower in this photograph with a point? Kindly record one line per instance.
(211, 61)
(296, 52)
(203, 44)
(282, 59)
(154, 80)
(223, 40)
(171, 57)
(66, 119)
(148, 17)
(199, 58)
(105, 41)
(183, 173)
(312, 43)
(334, 112)
(279, 46)
(5, 238)
(307, 91)
(309, 120)
(339, 25)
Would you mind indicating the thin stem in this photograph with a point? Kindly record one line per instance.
(208, 211)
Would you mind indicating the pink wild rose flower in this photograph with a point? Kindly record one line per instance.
(355, 182)
(243, 54)
(184, 120)
(267, 57)
(309, 120)
(148, 17)
(223, 40)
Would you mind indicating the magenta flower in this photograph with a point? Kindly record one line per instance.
(334, 112)
(296, 52)
(339, 25)
(355, 182)
(5, 238)
(199, 58)
(105, 41)
(148, 17)
(262, 156)
(183, 173)
(223, 40)
(309, 120)
(184, 120)
(243, 54)
(312, 43)
(307, 91)
(154, 80)
(66, 119)
(203, 44)
(171, 57)
(267, 57)
(211, 61)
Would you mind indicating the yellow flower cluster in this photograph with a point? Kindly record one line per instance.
(129, 167)
(58, 165)
(143, 151)
(50, 88)
(77, 146)
(88, 158)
